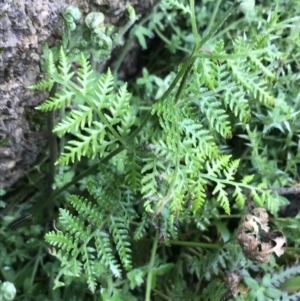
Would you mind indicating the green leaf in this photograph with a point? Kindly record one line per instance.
(225, 234)
(141, 32)
(251, 283)
(163, 269)
(291, 285)
(273, 292)
(136, 277)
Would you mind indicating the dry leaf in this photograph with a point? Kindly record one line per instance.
(232, 281)
(255, 239)
(262, 218)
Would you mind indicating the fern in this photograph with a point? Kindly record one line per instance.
(168, 168)
(86, 243)
(104, 254)
(281, 276)
(266, 287)
(94, 133)
(212, 262)
(133, 172)
(120, 235)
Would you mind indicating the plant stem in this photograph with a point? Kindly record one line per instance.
(217, 26)
(151, 263)
(193, 21)
(190, 244)
(213, 16)
(163, 296)
(194, 244)
(52, 141)
(35, 266)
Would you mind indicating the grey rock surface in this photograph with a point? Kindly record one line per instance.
(24, 28)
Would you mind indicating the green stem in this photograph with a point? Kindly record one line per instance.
(52, 151)
(194, 244)
(213, 16)
(122, 56)
(232, 25)
(163, 296)
(293, 249)
(228, 182)
(52, 140)
(193, 22)
(183, 80)
(35, 266)
(89, 171)
(217, 25)
(151, 264)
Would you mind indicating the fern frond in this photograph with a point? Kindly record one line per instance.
(247, 179)
(105, 86)
(141, 228)
(88, 145)
(63, 98)
(256, 197)
(87, 210)
(215, 166)
(104, 253)
(231, 169)
(208, 73)
(200, 139)
(98, 110)
(198, 194)
(222, 196)
(120, 111)
(260, 91)
(149, 182)
(85, 75)
(64, 241)
(104, 195)
(216, 115)
(259, 66)
(133, 173)
(286, 273)
(74, 225)
(70, 266)
(89, 269)
(64, 67)
(177, 201)
(234, 98)
(45, 84)
(239, 196)
(121, 238)
(293, 297)
(85, 243)
(77, 120)
(50, 64)
(238, 73)
(209, 263)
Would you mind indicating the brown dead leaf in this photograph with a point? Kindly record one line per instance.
(255, 239)
(280, 242)
(232, 281)
(262, 218)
